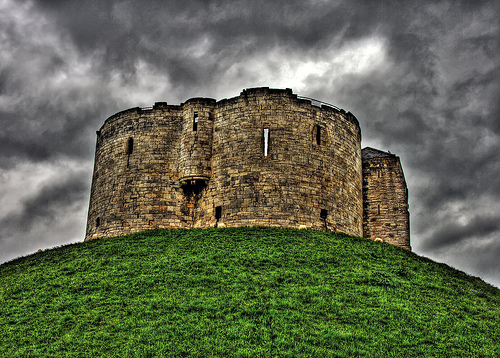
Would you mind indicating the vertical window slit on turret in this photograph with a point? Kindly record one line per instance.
(195, 122)
(318, 135)
(130, 146)
(266, 141)
(218, 213)
(130, 149)
(97, 222)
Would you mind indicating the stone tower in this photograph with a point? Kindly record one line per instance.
(385, 199)
(266, 157)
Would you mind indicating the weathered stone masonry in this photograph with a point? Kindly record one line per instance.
(385, 199)
(266, 157)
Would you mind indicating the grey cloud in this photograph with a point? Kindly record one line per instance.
(46, 132)
(4, 77)
(234, 29)
(48, 205)
(487, 263)
(454, 233)
(477, 257)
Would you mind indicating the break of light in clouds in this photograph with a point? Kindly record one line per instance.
(422, 79)
(289, 69)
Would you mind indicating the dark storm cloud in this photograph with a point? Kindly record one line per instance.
(167, 34)
(44, 131)
(47, 204)
(47, 215)
(47, 108)
(422, 77)
(453, 233)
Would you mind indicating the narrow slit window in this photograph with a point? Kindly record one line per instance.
(218, 212)
(266, 141)
(130, 146)
(318, 135)
(97, 222)
(323, 214)
(195, 122)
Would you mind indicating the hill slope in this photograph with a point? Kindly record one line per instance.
(242, 292)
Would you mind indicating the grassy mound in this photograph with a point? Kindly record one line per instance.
(242, 292)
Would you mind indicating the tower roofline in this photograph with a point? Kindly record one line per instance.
(369, 153)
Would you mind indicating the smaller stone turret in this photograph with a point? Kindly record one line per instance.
(196, 140)
(385, 199)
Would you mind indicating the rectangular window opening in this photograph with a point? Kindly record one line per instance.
(266, 141)
(195, 122)
(130, 146)
(323, 214)
(318, 135)
(218, 212)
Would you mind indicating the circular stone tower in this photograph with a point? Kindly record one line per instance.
(266, 157)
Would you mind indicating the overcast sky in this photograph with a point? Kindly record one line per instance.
(422, 77)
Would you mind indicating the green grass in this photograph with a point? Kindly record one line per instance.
(242, 292)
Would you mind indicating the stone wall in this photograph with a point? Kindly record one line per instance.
(303, 174)
(385, 199)
(136, 171)
(203, 164)
(265, 158)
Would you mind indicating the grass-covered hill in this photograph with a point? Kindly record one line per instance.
(243, 292)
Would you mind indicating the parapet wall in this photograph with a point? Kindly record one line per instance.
(265, 157)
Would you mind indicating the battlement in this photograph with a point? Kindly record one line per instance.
(266, 157)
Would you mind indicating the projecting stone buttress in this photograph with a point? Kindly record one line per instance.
(385, 199)
(266, 157)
